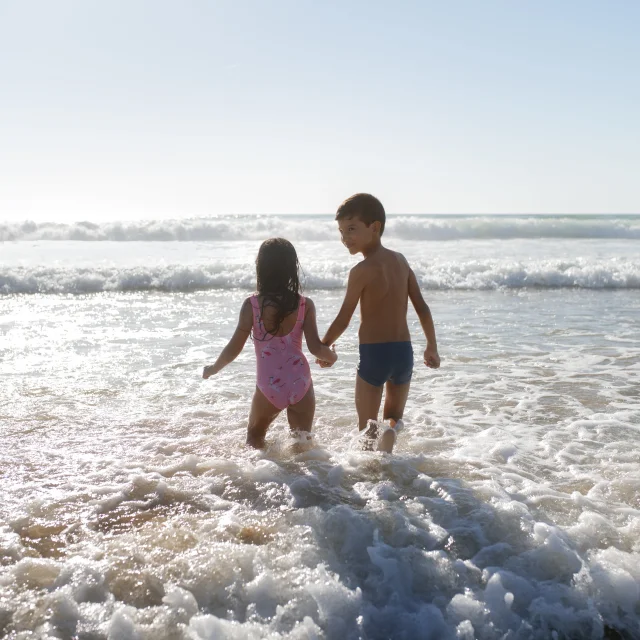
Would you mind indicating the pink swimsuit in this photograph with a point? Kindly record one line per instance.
(283, 373)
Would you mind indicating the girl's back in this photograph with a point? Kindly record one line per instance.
(283, 373)
(270, 316)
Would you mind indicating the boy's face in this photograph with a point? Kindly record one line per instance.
(355, 234)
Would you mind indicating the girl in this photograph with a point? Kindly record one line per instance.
(276, 317)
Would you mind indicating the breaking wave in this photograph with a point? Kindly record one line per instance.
(317, 228)
(473, 275)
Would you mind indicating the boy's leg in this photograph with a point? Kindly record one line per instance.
(262, 414)
(300, 415)
(395, 400)
(368, 398)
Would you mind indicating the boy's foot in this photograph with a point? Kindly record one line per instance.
(369, 435)
(398, 426)
(388, 437)
(387, 440)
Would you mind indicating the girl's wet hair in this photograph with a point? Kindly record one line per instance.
(277, 271)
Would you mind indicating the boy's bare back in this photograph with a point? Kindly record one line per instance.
(384, 277)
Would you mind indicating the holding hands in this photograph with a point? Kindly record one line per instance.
(328, 360)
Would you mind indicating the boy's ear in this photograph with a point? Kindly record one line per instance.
(376, 226)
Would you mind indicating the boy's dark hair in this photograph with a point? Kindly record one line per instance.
(277, 277)
(365, 207)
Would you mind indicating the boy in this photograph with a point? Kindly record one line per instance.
(382, 283)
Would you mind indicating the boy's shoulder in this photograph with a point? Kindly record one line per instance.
(398, 255)
(387, 257)
(399, 262)
(359, 268)
(372, 264)
(362, 271)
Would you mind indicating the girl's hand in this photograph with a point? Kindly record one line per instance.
(332, 356)
(431, 358)
(208, 371)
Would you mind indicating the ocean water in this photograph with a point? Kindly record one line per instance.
(131, 508)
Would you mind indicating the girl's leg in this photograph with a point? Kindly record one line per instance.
(300, 415)
(262, 414)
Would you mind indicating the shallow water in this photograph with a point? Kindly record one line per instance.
(132, 509)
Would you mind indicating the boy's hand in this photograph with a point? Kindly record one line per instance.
(207, 371)
(431, 358)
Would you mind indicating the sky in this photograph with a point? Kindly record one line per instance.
(132, 109)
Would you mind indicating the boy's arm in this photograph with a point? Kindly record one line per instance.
(317, 348)
(235, 344)
(355, 285)
(431, 357)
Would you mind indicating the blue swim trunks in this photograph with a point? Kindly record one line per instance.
(384, 361)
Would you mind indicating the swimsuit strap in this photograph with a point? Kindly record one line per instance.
(301, 308)
(255, 306)
(254, 303)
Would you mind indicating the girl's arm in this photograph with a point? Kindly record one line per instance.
(316, 347)
(235, 345)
